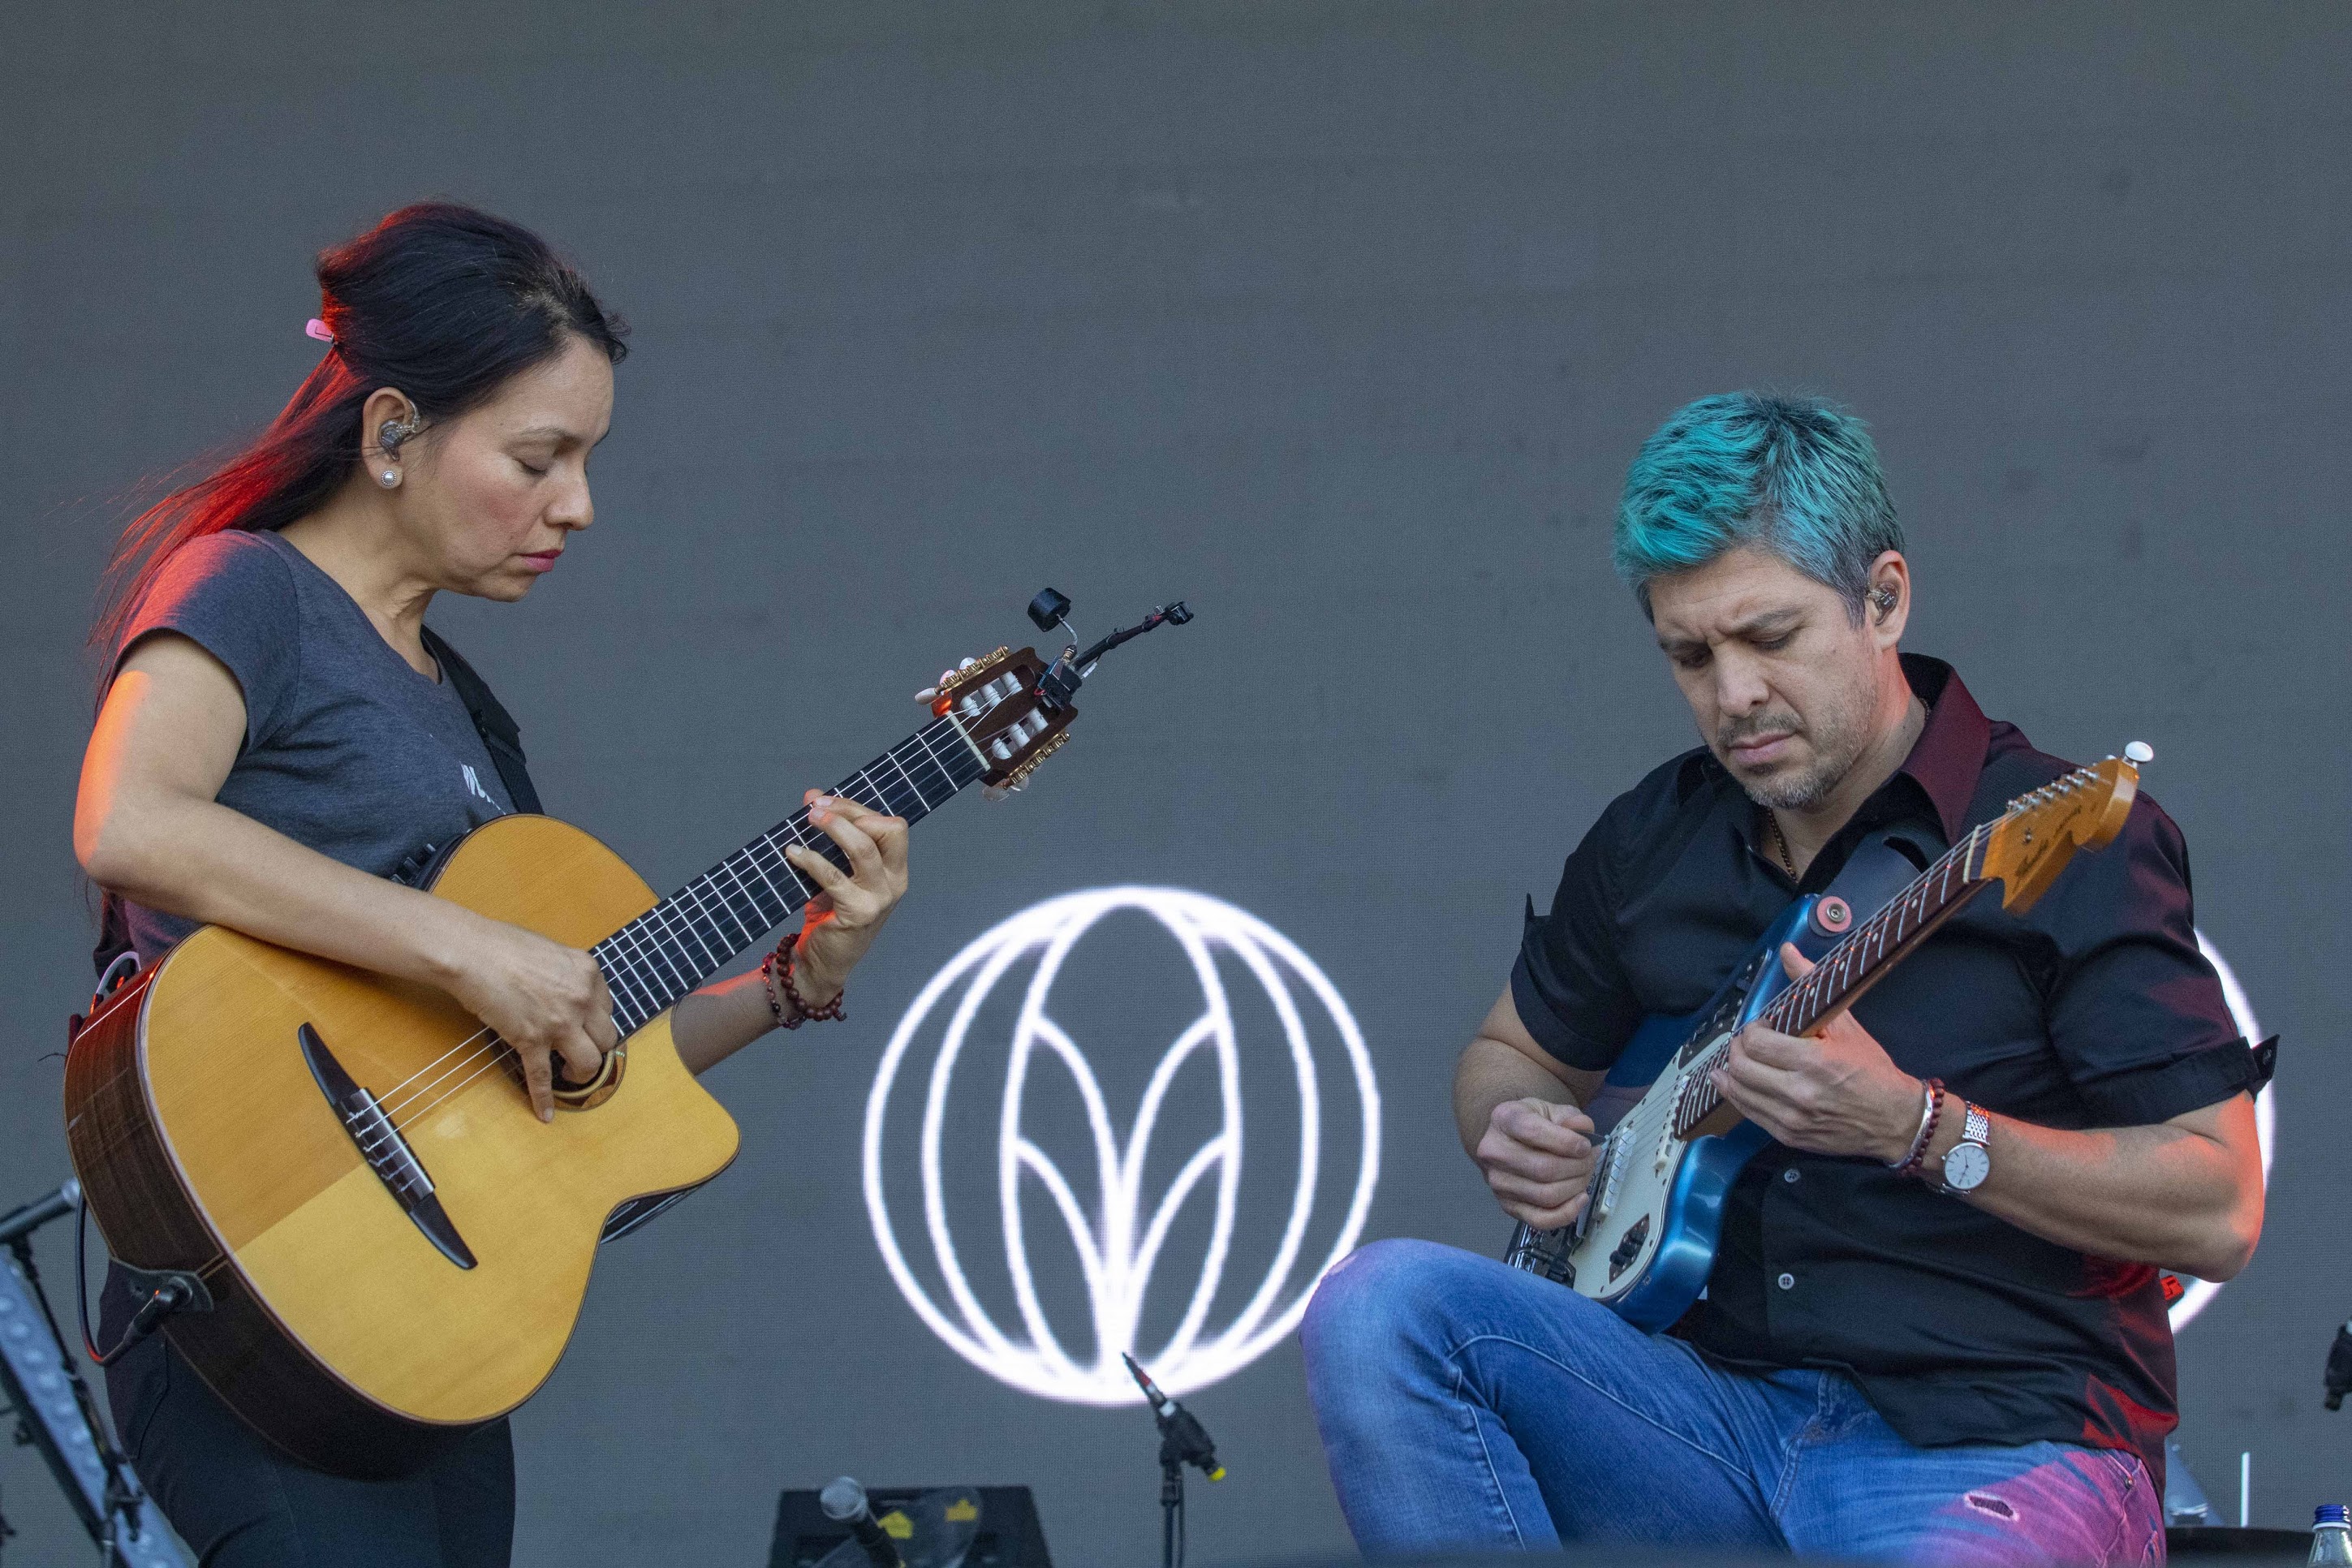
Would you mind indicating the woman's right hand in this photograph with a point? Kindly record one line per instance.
(543, 998)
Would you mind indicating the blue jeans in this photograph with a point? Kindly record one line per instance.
(1467, 1404)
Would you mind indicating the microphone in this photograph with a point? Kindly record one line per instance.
(1183, 1440)
(39, 1212)
(844, 1503)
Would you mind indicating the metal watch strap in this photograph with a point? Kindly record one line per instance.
(1976, 1131)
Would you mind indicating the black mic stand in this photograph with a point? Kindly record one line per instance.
(119, 1503)
(1182, 1441)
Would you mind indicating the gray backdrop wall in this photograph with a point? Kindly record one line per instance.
(1342, 320)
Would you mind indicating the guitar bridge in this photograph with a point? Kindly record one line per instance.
(1543, 1252)
(387, 1154)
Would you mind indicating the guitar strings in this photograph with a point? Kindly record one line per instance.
(676, 919)
(1650, 1116)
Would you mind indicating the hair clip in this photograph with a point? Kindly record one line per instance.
(315, 328)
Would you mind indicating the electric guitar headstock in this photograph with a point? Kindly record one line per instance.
(2032, 841)
(1015, 705)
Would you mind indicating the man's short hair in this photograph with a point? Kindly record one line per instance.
(1795, 476)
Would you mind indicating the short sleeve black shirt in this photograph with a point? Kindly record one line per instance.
(2093, 1009)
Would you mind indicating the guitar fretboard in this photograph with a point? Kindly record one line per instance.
(1852, 966)
(698, 930)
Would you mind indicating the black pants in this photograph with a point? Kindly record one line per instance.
(241, 1503)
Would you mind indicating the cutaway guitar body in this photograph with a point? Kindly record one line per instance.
(391, 1247)
(340, 1329)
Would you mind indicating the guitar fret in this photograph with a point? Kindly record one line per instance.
(1862, 954)
(689, 935)
(931, 754)
(910, 780)
(737, 865)
(759, 922)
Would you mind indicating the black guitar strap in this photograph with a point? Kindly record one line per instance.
(501, 736)
(1881, 865)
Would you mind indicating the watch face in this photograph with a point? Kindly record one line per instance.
(1966, 1167)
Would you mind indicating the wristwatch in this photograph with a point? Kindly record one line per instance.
(1968, 1163)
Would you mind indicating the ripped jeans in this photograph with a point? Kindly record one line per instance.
(1465, 1405)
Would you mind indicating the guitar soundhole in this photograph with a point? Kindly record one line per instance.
(572, 1096)
(1628, 1248)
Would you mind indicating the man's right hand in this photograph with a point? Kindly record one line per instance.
(1538, 1157)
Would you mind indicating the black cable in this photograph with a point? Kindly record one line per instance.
(82, 1281)
(173, 1295)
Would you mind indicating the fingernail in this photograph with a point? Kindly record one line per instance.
(547, 1116)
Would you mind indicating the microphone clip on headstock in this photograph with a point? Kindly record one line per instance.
(1051, 608)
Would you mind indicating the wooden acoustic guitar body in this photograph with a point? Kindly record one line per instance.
(339, 1330)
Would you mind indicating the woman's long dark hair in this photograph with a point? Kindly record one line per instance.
(440, 301)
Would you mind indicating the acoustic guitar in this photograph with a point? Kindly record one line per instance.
(1645, 1241)
(377, 1245)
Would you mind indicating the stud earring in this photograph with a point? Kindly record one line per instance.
(390, 479)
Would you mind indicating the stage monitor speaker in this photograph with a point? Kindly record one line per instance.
(1010, 1535)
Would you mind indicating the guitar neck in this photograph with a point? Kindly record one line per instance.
(698, 930)
(1860, 959)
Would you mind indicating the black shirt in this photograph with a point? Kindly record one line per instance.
(2095, 1009)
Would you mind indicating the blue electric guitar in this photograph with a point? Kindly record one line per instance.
(1644, 1243)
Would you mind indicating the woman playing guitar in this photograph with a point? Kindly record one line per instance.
(281, 734)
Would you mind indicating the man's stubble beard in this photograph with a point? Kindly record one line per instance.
(1838, 742)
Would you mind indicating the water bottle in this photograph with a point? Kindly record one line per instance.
(2331, 1534)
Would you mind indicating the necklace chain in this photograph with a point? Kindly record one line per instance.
(1780, 842)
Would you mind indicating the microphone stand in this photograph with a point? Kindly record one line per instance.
(119, 1503)
(1182, 1441)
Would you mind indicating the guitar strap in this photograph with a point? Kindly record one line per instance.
(501, 737)
(1881, 865)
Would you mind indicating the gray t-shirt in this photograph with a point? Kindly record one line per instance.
(347, 748)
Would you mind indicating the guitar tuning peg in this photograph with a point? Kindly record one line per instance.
(930, 692)
(2140, 752)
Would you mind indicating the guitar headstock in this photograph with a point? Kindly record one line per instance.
(2032, 841)
(996, 701)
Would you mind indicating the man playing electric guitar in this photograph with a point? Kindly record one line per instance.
(1935, 1330)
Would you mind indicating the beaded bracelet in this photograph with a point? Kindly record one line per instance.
(776, 976)
(1932, 1094)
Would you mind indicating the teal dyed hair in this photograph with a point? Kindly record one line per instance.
(1794, 476)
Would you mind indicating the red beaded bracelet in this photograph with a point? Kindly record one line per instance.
(776, 975)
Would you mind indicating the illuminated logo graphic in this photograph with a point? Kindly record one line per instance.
(1236, 1002)
(2241, 1012)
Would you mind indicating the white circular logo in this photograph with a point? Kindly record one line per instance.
(1234, 1001)
(2241, 1012)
